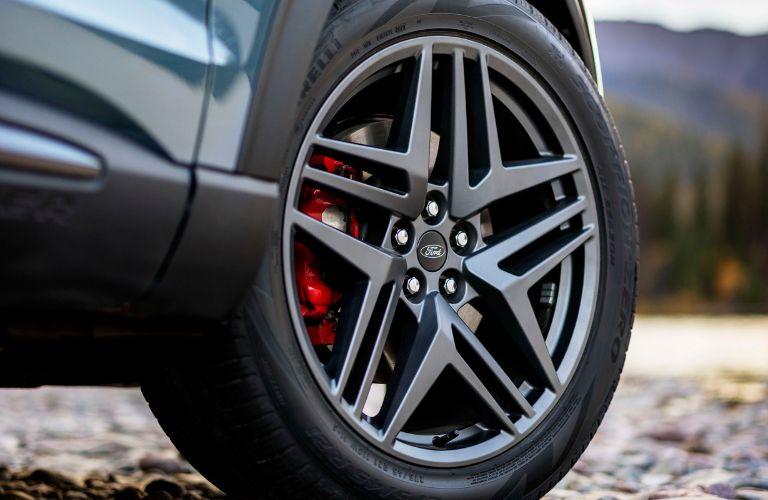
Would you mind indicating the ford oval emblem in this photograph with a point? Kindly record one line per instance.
(432, 251)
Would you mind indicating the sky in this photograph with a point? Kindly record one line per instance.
(746, 17)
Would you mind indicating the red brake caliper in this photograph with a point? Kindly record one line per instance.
(319, 301)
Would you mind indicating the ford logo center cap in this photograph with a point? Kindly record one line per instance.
(432, 251)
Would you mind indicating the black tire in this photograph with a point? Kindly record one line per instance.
(244, 408)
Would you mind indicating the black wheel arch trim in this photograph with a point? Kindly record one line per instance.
(296, 26)
(275, 103)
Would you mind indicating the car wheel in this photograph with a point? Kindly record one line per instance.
(450, 289)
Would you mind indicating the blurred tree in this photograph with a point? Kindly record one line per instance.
(762, 184)
(664, 218)
(705, 236)
(737, 212)
(703, 209)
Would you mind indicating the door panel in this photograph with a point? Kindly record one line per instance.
(137, 67)
(86, 217)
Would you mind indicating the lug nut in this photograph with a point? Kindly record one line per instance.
(432, 208)
(400, 236)
(412, 285)
(450, 286)
(461, 238)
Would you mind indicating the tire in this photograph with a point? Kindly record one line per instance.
(245, 406)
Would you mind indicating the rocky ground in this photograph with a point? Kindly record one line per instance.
(662, 438)
(668, 437)
(79, 443)
(674, 438)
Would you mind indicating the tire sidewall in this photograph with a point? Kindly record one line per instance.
(554, 445)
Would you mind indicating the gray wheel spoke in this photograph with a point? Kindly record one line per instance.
(378, 264)
(515, 177)
(494, 150)
(413, 163)
(474, 381)
(492, 255)
(382, 268)
(362, 328)
(508, 179)
(459, 158)
(533, 337)
(396, 202)
(425, 361)
(494, 367)
(513, 302)
(502, 179)
(464, 199)
(509, 293)
(435, 349)
(546, 265)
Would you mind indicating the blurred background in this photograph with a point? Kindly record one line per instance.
(687, 83)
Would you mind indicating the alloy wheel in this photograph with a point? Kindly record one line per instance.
(463, 299)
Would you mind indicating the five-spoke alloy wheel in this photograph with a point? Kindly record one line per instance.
(470, 288)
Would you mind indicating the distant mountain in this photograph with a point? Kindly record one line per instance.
(707, 81)
(708, 57)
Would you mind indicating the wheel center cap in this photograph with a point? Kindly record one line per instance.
(432, 251)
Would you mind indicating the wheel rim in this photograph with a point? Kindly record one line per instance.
(431, 377)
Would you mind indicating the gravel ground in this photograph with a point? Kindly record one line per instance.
(662, 438)
(673, 438)
(78, 443)
(676, 429)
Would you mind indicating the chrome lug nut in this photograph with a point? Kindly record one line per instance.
(412, 285)
(400, 236)
(432, 208)
(450, 286)
(461, 239)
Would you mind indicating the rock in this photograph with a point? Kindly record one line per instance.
(656, 480)
(675, 493)
(93, 482)
(639, 460)
(159, 495)
(670, 461)
(50, 478)
(752, 494)
(5, 473)
(667, 433)
(575, 481)
(16, 495)
(75, 495)
(627, 487)
(129, 493)
(42, 490)
(758, 482)
(16, 485)
(695, 462)
(722, 490)
(175, 490)
(152, 463)
(704, 478)
(698, 444)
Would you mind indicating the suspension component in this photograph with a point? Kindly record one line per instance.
(319, 300)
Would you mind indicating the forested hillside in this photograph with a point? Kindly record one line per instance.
(692, 109)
